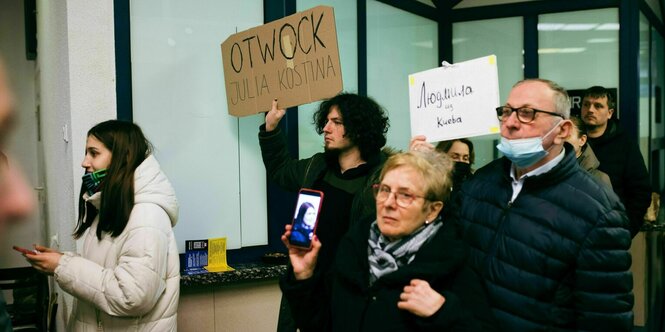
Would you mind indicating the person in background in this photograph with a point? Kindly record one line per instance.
(127, 277)
(619, 155)
(405, 271)
(549, 241)
(585, 156)
(17, 199)
(461, 151)
(354, 131)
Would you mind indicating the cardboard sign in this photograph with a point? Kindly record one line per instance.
(294, 59)
(455, 101)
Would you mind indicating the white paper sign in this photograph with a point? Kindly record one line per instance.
(455, 101)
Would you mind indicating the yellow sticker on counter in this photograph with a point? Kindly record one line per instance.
(411, 80)
(494, 130)
(217, 256)
(492, 59)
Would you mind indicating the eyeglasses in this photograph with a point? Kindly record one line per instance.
(524, 114)
(403, 199)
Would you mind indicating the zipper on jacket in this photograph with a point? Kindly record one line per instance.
(492, 252)
(99, 321)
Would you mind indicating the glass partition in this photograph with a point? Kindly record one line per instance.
(212, 158)
(502, 37)
(309, 142)
(580, 49)
(398, 44)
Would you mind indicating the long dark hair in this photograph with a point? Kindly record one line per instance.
(129, 148)
(302, 210)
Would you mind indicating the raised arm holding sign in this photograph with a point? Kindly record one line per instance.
(456, 100)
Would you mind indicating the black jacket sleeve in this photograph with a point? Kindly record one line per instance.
(603, 283)
(307, 301)
(285, 171)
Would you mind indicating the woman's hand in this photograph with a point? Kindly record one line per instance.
(274, 116)
(420, 299)
(45, 261)
(303, 261)
(419, 143)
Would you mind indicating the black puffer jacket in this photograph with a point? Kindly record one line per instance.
(554, 259)
(347, 302)
(621, 159)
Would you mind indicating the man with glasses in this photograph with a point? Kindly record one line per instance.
(619, 155)
(550, 242)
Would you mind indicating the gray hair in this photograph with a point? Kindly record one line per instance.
(561, 98)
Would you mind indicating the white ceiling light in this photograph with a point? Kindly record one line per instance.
(579, 27)
(600, 40)
(561, 50)
(608, 26)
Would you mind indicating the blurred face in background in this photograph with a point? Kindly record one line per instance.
(459, 151)
(16, 197)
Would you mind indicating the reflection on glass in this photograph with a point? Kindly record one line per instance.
(347, 40)
(398, 44)
(643, 69)
(502, 37)
(580, 49)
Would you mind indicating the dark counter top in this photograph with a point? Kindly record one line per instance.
(242, 273)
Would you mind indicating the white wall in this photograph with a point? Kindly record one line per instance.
(23, 144)
(76, 73)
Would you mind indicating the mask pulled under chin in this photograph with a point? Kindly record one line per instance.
(524, 152)
(92, 181)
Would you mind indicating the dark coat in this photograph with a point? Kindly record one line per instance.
(556, 258)
(621, 159)
(590, 163)
(292, 175)
(348, 303)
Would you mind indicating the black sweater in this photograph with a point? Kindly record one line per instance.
(621, 159)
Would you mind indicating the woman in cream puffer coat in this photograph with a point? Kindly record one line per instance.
(130, 281)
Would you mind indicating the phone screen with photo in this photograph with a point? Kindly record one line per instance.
(305, 217)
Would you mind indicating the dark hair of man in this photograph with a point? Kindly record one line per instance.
(580, 126)
(444, 146)
(600, 92)
(365, 122)
(129, 148)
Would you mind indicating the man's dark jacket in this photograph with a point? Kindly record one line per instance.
(621, 159)
(556, 258)
(291, 174)
(344, 301)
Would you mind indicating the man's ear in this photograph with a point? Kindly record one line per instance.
(565, 126)
(611, 111)
(583, 139)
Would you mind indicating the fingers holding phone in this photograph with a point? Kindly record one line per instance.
(303, 260)
(25, 251)
(43, 259)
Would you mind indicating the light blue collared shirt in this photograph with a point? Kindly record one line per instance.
(519, 183)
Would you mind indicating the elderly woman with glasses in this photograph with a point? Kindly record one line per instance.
(404, 271)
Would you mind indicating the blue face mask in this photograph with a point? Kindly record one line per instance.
(524, 152)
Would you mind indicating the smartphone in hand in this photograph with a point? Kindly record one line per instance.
(305, 218)
(25, 251)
